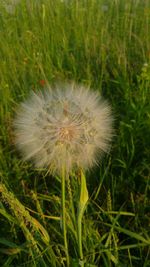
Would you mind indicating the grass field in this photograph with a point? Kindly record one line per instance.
(104, 44)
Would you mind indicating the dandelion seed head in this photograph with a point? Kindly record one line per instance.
(69, 126)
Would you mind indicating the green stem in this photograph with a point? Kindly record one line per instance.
(80, 239)
(71, 201)
(81, 208)
(64, 215)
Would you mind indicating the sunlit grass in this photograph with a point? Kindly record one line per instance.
(104, 44)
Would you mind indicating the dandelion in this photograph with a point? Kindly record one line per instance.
(62, 129)
(68, 126)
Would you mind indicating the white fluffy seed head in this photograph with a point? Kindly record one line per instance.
(68, 126)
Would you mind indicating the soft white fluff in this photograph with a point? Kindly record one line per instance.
(68, 126)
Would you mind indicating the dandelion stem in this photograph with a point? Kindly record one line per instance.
(64, 215)
(71, 201)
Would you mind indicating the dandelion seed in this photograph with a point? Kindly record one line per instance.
(68, 126)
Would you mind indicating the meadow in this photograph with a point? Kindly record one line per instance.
(104, 45)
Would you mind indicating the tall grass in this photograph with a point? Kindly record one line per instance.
(104, 44)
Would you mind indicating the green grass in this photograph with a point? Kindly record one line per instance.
(105, 45)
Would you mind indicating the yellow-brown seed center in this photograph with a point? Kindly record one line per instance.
(67, 133)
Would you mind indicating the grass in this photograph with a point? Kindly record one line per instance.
(105, 45)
